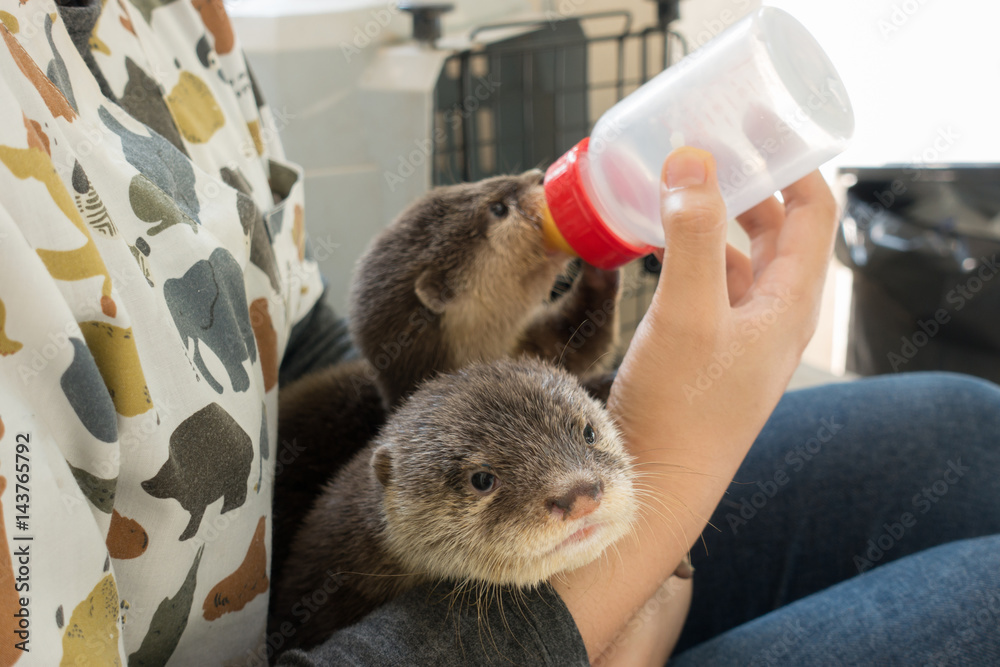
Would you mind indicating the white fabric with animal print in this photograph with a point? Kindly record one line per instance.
(148, 287)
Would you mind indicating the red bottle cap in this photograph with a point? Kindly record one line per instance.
(576, 219)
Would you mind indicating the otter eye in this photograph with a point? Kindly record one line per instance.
(499, 209)
(483, 482)
(589, 435)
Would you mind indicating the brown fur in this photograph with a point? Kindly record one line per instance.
(404, 510)
(323, 420)
(450, 283)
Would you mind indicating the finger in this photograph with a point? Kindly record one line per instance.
(694, 229)
(739, 274)
(762, 224)
(810, 220)
(805, 243)
(810, 190)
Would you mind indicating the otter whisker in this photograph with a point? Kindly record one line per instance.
(457, 595)
(646, 501)
(676, 468)
(378, 574)
(645, 520)
(673, 518)
(653, 492)
(499, 595)
(633, 534)
(666, 507)
(572, 335)
(664, 464)
(483, 615)
(642, 499)
(618, 553)
(596, 361)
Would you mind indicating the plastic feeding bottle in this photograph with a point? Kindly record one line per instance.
(762, 98)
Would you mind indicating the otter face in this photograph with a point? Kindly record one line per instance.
(514, 206)
(458, 276)
(505, 473)
(507, 272)
(480, 237)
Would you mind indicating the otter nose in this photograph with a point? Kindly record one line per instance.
(534, 176)
(580, 501)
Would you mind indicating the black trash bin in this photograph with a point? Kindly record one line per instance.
(924, 245)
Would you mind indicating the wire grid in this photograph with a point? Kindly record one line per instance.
(521, 102)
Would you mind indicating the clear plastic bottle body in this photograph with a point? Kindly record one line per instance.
(762, 97)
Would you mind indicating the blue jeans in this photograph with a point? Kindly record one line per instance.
(862, 529)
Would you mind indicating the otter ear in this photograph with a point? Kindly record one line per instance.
(382, 463)
(433, 292)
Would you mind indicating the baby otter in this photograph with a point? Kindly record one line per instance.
(463, 275)
(324, 418)
(504, 473)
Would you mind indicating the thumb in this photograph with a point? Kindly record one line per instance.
(694, 229)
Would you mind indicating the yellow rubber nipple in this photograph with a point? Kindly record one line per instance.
(554, 241)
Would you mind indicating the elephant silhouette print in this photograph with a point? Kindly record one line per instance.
(209, 306)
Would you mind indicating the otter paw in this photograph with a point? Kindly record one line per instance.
(685, 570)
(600, 280)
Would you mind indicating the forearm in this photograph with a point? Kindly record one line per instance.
(649, 636)
(741, 324)
(684, 473)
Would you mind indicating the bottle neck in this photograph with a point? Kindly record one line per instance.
(554, 240)
(576, 215)
(601, 207)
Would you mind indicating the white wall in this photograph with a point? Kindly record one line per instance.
(916, 70)
(923, 75)
(924, 80)
(354, 102)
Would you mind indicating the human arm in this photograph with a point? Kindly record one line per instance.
(752, 318)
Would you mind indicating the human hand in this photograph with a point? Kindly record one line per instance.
(724, 332)
(704, 371)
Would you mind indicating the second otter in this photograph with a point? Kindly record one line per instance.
(504, 473)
